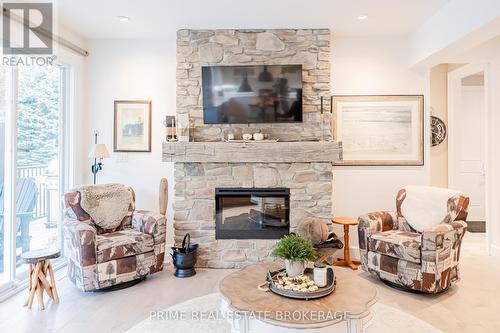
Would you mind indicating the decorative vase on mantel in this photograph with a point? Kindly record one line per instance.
(183, 128)
(294, 268)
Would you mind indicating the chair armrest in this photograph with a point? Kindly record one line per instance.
(81, 251)
(369, 224)
(376, 222)
(441, 254)
(150, 223)
(443, 235)
(153, 224)
(81, 241)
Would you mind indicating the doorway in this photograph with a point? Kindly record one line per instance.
(467, 144)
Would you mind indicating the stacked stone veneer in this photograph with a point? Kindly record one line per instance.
(310, 187)
(308, 47)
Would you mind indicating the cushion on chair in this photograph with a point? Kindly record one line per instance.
(398, 244)
(122, 243)
(107, 204)
(425, 206)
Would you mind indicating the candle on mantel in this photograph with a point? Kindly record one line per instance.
(173, 128)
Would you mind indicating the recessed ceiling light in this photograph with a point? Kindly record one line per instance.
(123, 18)
(362, 17)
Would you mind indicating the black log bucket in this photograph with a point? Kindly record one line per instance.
(184, 258)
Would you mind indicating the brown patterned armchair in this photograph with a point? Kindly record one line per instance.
(107, 241)
(418, 246)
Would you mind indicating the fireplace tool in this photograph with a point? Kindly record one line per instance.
(184, 258)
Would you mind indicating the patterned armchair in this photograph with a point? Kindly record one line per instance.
(107, 241)
(418, 246)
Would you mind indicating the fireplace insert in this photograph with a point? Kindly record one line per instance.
(252, 213)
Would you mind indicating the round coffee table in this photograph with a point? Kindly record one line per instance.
(346, 222)
(250, 310)
(39, 267)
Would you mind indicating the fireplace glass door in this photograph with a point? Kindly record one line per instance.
(252, 213)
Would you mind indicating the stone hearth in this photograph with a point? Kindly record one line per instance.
(310, 187)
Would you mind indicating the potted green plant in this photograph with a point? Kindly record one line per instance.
(296, 252)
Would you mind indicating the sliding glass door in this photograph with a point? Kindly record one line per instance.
(34, 170)
(38, 159)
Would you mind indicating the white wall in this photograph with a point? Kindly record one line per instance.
(494, 148)
(125, 69)
(374, 66)
(439, 107)
(78, 121)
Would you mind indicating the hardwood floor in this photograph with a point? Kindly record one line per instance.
(471, 306)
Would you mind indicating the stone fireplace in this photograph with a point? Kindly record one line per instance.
(310, 188)
(299, 164)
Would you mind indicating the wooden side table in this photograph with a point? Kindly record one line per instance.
(346, 222)
(39, 267)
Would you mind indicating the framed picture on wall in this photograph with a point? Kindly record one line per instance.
(380, 130)
(132, 127)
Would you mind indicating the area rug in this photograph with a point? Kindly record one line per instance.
(385, 319)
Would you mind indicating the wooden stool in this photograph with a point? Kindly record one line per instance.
(346, 222)
(39, 267)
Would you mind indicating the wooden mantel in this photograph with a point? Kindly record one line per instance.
(253, 152)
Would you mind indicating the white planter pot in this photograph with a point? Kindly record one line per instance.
(294, 268)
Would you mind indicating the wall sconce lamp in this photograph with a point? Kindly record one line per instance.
(98, 151)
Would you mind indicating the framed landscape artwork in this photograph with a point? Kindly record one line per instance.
(380, 130)
(132, 132)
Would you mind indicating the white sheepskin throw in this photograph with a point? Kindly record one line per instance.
(106, 204)
(426, 206)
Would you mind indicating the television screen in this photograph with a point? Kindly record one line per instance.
(252, 94)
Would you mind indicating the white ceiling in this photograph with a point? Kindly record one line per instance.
(153, 18)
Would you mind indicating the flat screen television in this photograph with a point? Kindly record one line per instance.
(252, 94)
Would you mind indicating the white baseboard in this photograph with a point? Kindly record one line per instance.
(353, 252)
(495, 250)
